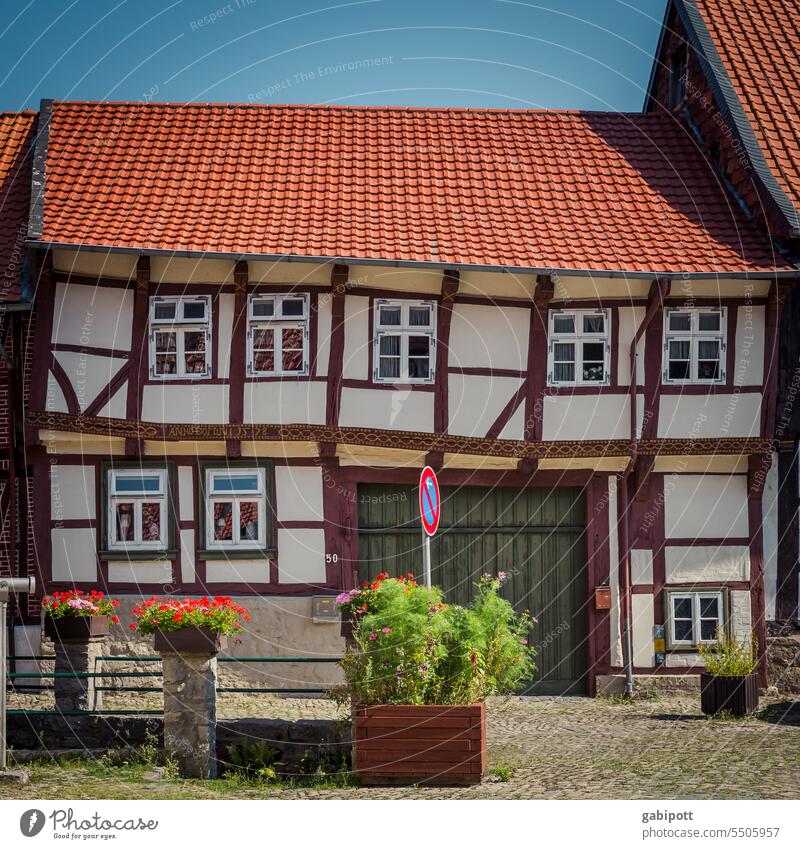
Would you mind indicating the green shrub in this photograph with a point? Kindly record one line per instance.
(254, 760)
(409, 647)
(729, 657)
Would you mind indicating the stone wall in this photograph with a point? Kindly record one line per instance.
(783, 659)
(304, 745)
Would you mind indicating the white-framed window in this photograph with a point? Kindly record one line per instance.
(579, 348)
(137, 509)
(694, 617)
(180, 337)
(405, 341)
(277, 334)
(695, 344)
(235, 508)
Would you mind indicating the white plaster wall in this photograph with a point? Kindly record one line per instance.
(188, 555)
(285, 402)
(489, 337)
(688, 289)
(356, 338)
(324, 319)
(769, 536)
(488, 284)
(196, 403)
(578, 288)
(643, 620)
(707, 563)
(224, 334)
(142, 572)
(588, 416)
(709, 416)
(750, 341)
(54, 400)
(426, 281)
(613, 553)
(387, 408)
(301, 556)
(705, 506)
(629, 320)
(641, 566)
(186, 493)
(298, 492)
(515, 427)
(88, 373)
(98, 263)
(94, 316)
(72, 492)
(164, 269)
(74, 554)
(267, 271)
(117, 405)
(475, 402)
(741, 615)
(237, 571)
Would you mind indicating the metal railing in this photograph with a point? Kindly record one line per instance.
(13, 677)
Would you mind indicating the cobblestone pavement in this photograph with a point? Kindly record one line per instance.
(577, 748)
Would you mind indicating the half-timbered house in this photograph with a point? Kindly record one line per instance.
(255, 324)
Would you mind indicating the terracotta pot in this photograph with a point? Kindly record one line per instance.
(419, 744)
(189, 641)
(76, 628)
(736, 694)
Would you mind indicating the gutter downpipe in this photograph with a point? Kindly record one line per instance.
(659, 290)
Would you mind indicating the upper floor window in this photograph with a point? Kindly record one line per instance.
(235, 508)
(137, 509)
(678, 71)
(694, 345)
(694, 617)
(578, 348)
(180, 337)
(405, 338)
(277, 335)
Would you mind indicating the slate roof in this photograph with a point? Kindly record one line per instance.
(517, 189)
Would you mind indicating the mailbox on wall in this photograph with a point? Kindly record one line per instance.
(602, 598)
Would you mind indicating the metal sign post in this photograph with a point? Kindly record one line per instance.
(7, 586)
(430, 511)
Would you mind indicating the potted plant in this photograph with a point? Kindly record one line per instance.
(730, 682)
(189, 625)
(417, 673)
(77, 616)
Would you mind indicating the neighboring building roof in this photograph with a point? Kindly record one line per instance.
(16, 130)
(517, 189)
(751, 51)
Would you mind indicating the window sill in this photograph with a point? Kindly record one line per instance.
(236, 554)
(120, 556)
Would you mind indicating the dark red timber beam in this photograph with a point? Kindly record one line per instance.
(339, 277)
(138, 363)
(536, 380)
(238, 360)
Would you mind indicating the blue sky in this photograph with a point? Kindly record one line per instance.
(573, 54)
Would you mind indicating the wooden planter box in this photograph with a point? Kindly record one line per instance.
(189, 641)
(72, 629)
(737, 695)
(415, 744)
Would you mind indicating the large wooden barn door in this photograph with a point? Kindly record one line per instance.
(534, 534)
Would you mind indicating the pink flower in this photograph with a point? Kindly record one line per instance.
(373, 636)
(502, 577)
(524, 642)
(386, 630)
(473, 658)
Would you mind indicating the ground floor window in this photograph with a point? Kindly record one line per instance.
(694, 618)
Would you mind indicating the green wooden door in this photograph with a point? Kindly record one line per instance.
(534, 534)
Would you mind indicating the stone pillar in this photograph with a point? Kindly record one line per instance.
(190, 712)
(80, 655)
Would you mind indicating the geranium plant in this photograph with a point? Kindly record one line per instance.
(72, 603)
(409, 647)
(221, 615)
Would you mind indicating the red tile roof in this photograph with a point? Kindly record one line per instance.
(16, 129)
(759, 44)
(529, 189)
